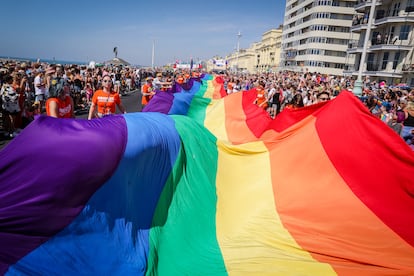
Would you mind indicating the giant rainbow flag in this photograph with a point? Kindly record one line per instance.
(207, 184)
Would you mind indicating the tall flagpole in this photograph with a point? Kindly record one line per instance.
(153, 54)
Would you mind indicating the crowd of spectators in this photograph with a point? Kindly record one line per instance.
(27, 85)
(393, 104)
(23, 84)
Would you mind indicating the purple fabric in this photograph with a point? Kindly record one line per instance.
(35, 206)
(187, 85)
(161, 102)
(176, 87)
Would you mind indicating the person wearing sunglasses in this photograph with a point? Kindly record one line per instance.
(323, 97)
(105, 100)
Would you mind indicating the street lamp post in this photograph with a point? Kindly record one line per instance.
(358, 83)
(153, 54)
(238, 50)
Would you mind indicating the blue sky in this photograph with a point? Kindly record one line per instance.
(89, 30)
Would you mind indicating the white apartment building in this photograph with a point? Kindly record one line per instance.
(389, 48)
(316, 34)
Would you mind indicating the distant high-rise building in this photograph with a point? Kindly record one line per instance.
(316, 34)
(389, 48)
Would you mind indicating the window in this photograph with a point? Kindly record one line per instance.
(314, 51)
(385, 61)
(396, 59)
(404, 31)
(370, 62)
(410, 6)
(396, 9)
(348, 4)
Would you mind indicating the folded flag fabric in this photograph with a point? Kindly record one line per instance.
(205, 183)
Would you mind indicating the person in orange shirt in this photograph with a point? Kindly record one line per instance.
(60, 106)
(186, 77)
(196, 74)
(180, 79)
(261, 96)
(105, 101)
(147, 91)
(230, 85)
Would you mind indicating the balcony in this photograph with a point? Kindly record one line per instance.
(375, 69)
(408, 68)
(354, 47)
(361, 5)
(394, 19)
(358, 28)
(360, 19)
(390, 44)
(350, 69)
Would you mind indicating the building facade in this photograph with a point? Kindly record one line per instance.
(316, 35)
(263, 56)
(390, 42)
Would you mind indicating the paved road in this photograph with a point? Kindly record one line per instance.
(131, 101)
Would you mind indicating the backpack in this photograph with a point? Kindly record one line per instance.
(9, 99)
(400, 116)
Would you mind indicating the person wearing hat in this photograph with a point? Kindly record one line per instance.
(61, 104)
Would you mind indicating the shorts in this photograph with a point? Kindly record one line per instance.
(39, 98)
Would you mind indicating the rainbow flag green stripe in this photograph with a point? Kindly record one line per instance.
(185, 216)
